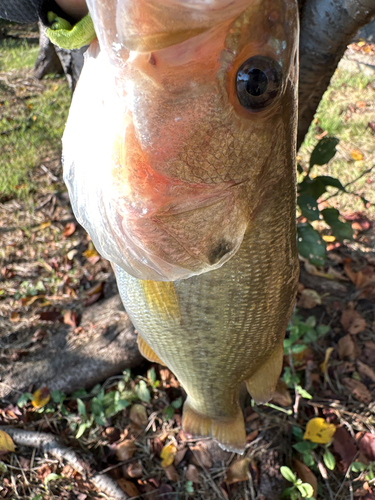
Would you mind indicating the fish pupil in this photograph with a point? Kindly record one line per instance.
(257, 83)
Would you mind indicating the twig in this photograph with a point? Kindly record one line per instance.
(208, 475)
(49, 444)
(365, 172)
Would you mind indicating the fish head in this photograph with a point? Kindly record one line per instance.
(185, 115)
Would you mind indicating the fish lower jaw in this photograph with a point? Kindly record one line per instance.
(229, 433)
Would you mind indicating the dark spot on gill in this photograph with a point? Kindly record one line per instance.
(219, 251)
(152, 59)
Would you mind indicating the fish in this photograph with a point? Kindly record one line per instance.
(183, 175)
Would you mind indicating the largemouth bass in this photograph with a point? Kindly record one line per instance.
(184, 177)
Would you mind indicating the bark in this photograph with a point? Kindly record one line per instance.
(105, 345)
(327, 27)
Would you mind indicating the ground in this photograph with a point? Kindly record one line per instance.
(121, 435)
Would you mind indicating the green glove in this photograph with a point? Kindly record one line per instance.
(66, 36)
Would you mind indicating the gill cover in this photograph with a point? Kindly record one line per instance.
(153, 148)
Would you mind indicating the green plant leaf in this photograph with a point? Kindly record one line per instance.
(297, 348)
(322, 329)
(81, 429)
(318, 186)
(308, 206)
(57, 396)
(305, 446)
(324, 151)
(97, 407)
(189, 487)
(51, 477)
(297, 432)
(24, 399)
(303, 393)
(288, 474)
(329, 460)
(310, 244)
(306, 490)
(169, 412)
(142, 391)
(151, 375)
(307, 459)
(81, 407)
(341, 230)
(177, 403)
(358, 467)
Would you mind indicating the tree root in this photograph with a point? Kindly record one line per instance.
(48, 443)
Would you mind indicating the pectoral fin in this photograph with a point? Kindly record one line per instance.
(147, 352)
(229, 432)
(262, 383)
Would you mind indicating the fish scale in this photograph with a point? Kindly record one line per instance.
(184, 178)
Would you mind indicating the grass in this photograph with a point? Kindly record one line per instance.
(17, 54)
(31, 125)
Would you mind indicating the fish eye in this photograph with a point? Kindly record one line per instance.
(258, 82)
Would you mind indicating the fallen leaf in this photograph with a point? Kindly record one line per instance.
(91, 252)
(365, 371)
(309, 299)
(345, 446)
(70, 318)
(329, 238)
(192, 474)
(358, 390)
(180, 456)
(346, 347)
(6, 443)
(41, 397)
(168, 454)
(129, 487)
(132, 471)
(164, 492)
(367, 445)
(201, 456)
(356, 154)
(69, 229)
(171, 473)
(14, 317)
(306, 475)
(52, 315)
(238, 471)
(352, 321)
(138, 415)
(324, 365)
(125, 449)
(281, 396)
(319, 431)
(44, 225)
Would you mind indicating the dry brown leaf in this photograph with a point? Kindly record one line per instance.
(367, 445)
(6, 443)
(138, 415)
(168, 454)
(281, 395)
(309, 299)
(69, 229)
(125, 449)
(238, 471)
(179, 456)
(345, 446)
(253, 434)
(41, 397)
(129, 487)
(358, 390)
(306, 475)
(365, 370)
(132, 471)
(171, 473)
(192, 474)
(352, 321)
(70, 318)
(201, 456)
(346, 347)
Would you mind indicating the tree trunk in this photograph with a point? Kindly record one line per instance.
(327, 27)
